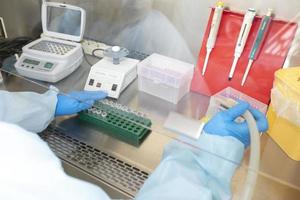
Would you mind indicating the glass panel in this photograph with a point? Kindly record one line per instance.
(157, 111)
(63, 20)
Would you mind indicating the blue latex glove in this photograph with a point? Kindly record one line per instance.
(76, 101)
(223, 123)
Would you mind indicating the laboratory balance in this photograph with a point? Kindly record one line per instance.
(58, 52)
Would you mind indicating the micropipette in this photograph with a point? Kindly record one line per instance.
(261, 34)
(243, 35)
(215, 24)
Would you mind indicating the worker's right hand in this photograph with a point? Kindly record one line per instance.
(75, 102)
(224, 124)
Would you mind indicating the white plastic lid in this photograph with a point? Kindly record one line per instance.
(63, 21)
(166, 70)
(115, 48)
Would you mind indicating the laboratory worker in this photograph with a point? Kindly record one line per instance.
(29, 170)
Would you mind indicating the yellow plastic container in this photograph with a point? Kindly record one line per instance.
(284, 112)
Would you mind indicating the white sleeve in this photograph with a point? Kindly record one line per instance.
(29, 110)
(186, 172)
(31, 171)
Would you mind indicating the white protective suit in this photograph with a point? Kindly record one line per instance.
(29, 169)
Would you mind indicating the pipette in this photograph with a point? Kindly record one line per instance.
(215, 24)
(261, 35)
(243, 35)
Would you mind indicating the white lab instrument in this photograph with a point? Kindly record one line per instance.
(113, 73)
(165, 77)
(58, 52)
(215, 24)
(242, 39)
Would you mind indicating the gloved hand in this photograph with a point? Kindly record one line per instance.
(75, 102)
(223, 123)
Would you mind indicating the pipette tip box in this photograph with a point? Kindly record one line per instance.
(165, 77)
(230, 94)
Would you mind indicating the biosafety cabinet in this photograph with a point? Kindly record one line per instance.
(152, 31)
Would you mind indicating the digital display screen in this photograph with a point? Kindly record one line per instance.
(64, 20)
(31, 62)
(48, 65)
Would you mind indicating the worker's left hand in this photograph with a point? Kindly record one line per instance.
(224, 124)
(75, 102)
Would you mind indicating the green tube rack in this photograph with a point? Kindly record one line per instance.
(119, 121)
